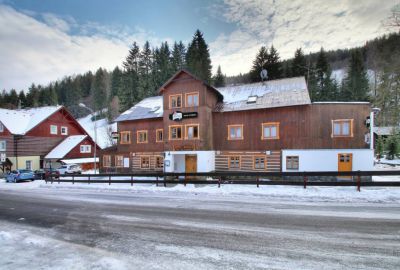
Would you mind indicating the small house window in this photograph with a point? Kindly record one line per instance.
(192, 132)
(175, 132)
(342, 128)
(125, 137)
(119, 161)
(292, 162)
(259, 162)
(159, 135)
(234, 162)
(142, 136)
(28, 164)
(159, 162)
(53, 129)
(175, 101)
(3, 145)
(270, 131)
(192, 99)
(235, 132)
(64, 130)
(86, 148)
(251, 99)
(106, 161)
(145, 162)
(1, 127)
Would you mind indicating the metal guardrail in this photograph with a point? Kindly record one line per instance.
(218, 178)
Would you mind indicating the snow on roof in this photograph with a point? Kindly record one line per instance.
(65, 147)
(386, 131)
(21, 121)
(151, 107)
(270, 94)
(79, 160)
(103, 128)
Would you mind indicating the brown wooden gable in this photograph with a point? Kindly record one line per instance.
(76, 153)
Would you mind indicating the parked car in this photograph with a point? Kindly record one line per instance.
(69, 169)
(20, 175)
(45, 173)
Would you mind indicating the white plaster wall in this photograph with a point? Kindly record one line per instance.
(205, 160)
(327, 159)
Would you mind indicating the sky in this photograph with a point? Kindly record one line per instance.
(44, 40)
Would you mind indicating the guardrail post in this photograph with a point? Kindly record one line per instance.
(258, 181)
(88, 180)
(165, 184)
(58, 180)
(131, 180)
(219, 182)
(305, 180)
(109, 180)
(358, 182)
(73, 179)
(184, 181)
(157, 181)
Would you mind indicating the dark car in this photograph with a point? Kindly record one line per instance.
(45, 173)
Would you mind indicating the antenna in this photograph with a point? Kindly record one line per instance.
(264, 74)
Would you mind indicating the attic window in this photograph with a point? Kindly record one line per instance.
(251, 99)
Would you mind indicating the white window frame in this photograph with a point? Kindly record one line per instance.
(52, 131)
(1, 127)
(3, 142)
(85, 148)
(30, 164)
(66, 131)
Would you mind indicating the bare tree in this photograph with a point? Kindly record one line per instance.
(393, 21)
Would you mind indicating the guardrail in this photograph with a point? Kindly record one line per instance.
(218, 178)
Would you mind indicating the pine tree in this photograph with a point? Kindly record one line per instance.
(116, 82)
(99, 90)
(22, 98)
(132, 60)
(219, 79)
(146, 81)
(259, 64)
(13, 98)
(299, 64)
(178, 56)
(198, 59)
(32, 98)
(356, 82)
(273, 65)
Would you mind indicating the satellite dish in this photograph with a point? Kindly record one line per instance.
(264, 74)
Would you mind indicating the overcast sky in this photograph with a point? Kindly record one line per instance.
(44, 40)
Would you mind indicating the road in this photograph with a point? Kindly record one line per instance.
(84, 229)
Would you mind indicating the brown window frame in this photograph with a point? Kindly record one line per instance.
(108, 163)
(186, 131)
(162, 132)
(170, 133)
(254, 162)
(116, 161)
(270, 124)
(170, 101)
(141, 162)
(229, 132)
(121, 136)
(157, 163)
(229, 162)
(341, 121)
(191, 94)
(291, 167)
(138, 136)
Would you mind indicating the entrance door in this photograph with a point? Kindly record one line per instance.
(345, 164)
(190, 163)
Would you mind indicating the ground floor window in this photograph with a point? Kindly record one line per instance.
(144, 162)
(106, 161)
(234, 162)
(292, 162)
(119, 161)
(28, 164)
(259, 162)
(159, 162)
(175, 132)
(2, 145)
(192, 132)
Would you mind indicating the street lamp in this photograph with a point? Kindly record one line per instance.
(374, 111)
(82, 105)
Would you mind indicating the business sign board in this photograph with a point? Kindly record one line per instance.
(178, 116)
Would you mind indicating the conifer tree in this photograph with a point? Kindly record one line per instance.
(198, 59)
(356, 86)
(116, 82)
(299, 64)
(259, 64)
(132, 60)
(178, 57)
(99, 90)
(22, 98)
(219, 79)
(273, 65)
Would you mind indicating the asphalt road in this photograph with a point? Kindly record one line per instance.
(161, 231)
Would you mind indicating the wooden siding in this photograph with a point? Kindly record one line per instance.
(273, 160)
(76, 151)
(136, 159)
(30, 145)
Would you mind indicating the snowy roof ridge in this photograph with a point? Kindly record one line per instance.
(65, 147)
(21, 121)
(151, 107)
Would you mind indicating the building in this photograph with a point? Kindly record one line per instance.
(267, 126)
(41, 137)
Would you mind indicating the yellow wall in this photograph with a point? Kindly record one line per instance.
(22, 162)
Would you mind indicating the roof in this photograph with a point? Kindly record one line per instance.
(151, 107)
(19, 122)
(269, 94)
(386, 131)
(341, 102)
(79, 160)
(65, 147)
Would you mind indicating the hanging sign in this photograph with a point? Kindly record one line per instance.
(178, 116)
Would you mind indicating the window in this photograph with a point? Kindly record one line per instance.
(159, 162)
(270, 131)
(175, 101)
(342, 128)
(159, 135)
(192, 132)
(125, 137)
(53, 129)
(1, 127)
(259, 162)
(119, 161)
(292, 162)
(64, 131)
(106, 161)
(175, 132)
(3, 145)
(86, 148)
(28, 164)
(145, 162)
(235, 132)
(192, 99)
(142, 136)
(234, 162)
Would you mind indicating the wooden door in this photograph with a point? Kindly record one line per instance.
(190, 163)
(345, 164)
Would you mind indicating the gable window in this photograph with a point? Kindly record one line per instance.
(342, 128)
(53, 129)
(159, 162)
(175, 132)
(259, 162)
(106, 161)
(234, 162)
(192, 99)
(144, 162)
(119, 161)
(86, 148)
(64, 130)
(159, 135)
(2, 145)
(270, 131)
(175, 101)
(292, 162)
(1, 127)
(142, 136)
(235, 132)
(125, 137)
(192, 132)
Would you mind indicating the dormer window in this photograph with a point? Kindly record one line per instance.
(251, 99)
(53, 129)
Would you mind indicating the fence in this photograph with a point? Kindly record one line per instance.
(242, 178)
